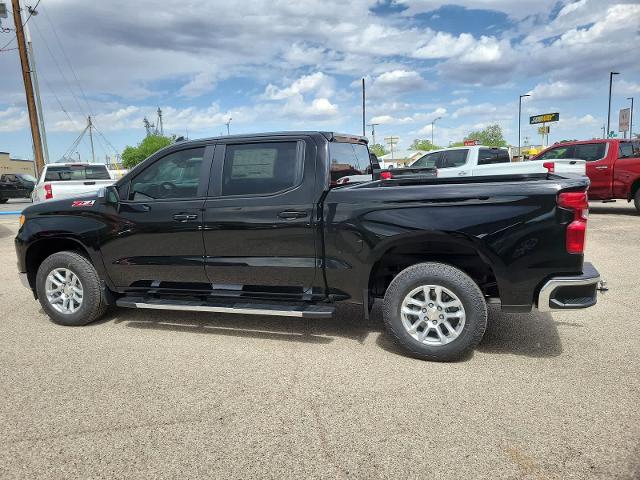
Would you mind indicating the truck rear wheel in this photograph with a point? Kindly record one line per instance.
(636, 200)
(435, 312)
(69, 289)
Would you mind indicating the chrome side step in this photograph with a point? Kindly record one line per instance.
(300, 310)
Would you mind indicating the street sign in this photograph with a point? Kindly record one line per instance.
(544, 118)
(612, 134)
(471, 143)
(623, 119)
(544, 130)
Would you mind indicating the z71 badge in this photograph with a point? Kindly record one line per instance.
(83, 203)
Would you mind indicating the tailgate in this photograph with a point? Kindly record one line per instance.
(71, 188)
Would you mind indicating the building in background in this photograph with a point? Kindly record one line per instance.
(15, 165)
(401, 158)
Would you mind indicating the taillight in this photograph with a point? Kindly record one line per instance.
(550, 166)
(386, 175)
(578, 202)
(48, 191)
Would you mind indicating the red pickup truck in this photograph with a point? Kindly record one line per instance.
(613, 166)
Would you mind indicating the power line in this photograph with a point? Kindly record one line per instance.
(66, 57)
(31, 10)
(55, 61)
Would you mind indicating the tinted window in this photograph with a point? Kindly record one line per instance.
(27, 177)
(76, 172)
(348, 159)
(487, 156)
(174, 176)
(454, 158)
(9, 178)
(590, 151)
(427, 161)
(626, 150)
(557, 153)
(260, 168)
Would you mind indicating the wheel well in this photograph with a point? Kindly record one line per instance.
(44, 248)
(463, 257)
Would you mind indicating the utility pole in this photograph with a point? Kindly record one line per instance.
(604, 135)
(519, 118)
(28, 88)
(391, 141)
(611, 74)
(432, 126)
(631, 119)
(227, 124)
(90, 127)
(160, 122)
(36, 88)
(373, 131)
(363, 109)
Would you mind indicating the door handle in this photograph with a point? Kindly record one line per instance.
(601, 167)
(292, 214)
(462, 173)
(184, 217)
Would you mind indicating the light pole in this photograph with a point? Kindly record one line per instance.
(631, 119)
(519, 117)
(227, 124)
(432, 125)
(611, 74)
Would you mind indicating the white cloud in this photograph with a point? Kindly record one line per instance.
(460, 101)
(317, 83)
(203, 82)
(397, 82)
(13, 119)
(445, 45)
(556, 90)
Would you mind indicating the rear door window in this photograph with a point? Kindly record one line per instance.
(348, 160)
(454, 158)
(488, 156)
(590, 152)
(626, 150)
(76, 172)
(261, 168)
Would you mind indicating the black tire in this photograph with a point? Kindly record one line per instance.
(460, 284)
(636, 200)
(93, 302)
(4, 200)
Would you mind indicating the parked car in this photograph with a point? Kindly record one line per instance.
(15, 185)
(480, 160)
(65, 180)
(257, 224)
(613, 166)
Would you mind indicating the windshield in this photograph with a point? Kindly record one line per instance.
(76, 172)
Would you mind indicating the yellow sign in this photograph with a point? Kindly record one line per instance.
(544, 118)
(543, 130)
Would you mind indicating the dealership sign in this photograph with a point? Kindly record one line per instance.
(544, 118)
(471, 143)
(623, 119)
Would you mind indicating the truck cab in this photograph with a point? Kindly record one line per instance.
(612, 165)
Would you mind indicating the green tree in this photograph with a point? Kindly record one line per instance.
(424, 145)
(378, 149)
(131, 156)
(490, 136)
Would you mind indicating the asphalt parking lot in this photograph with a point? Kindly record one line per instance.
(168, 394)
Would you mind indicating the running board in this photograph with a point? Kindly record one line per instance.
(300, 310)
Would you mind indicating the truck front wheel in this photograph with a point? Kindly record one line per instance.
(69, 290)
(435, 312)
(636, 200)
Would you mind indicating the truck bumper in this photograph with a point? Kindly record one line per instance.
(571, 293)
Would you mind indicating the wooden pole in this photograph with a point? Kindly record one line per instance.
(28, 88)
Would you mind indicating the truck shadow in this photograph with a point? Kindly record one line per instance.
(632, 212)
(533, 334)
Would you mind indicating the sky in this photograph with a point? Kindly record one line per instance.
(282, 65)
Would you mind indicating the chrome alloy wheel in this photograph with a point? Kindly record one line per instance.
(64, 290)
(433, 315)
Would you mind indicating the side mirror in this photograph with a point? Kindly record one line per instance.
(108, 195)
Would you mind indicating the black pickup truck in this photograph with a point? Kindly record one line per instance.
(259, 224)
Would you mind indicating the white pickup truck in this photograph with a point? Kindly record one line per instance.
(66, 180)
(479, 160)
